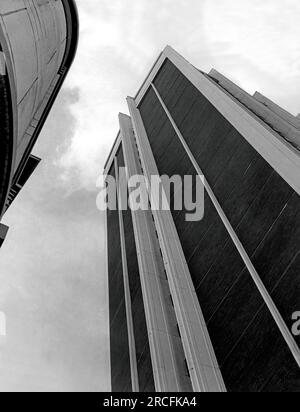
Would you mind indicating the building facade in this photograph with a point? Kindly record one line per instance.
(38, 40)
(206, 306)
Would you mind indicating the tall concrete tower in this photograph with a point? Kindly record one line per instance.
(38, 41)
(206, 305)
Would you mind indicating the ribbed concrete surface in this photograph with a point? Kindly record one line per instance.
(35, 33)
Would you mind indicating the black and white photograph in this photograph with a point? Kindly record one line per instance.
(149, 199)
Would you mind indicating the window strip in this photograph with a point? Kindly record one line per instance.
(130, 328)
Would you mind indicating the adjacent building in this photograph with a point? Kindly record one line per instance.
(38, 40)
(206, 306)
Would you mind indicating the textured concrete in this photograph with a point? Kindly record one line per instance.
(165, 344)
(203, 366)
(119, 349)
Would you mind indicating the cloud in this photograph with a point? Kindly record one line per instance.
(53, 289)
(254, 42)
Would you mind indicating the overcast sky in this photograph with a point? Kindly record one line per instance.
(53, 287)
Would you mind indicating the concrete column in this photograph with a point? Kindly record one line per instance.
(167, 354)
(202, 363)
(285, 115)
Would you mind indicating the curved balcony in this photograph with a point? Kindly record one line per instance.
(38, 41)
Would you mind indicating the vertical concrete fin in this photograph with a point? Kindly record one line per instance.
(203, 367)
(282, 326)
(284, 114)
(270, 117)
(166, 354)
